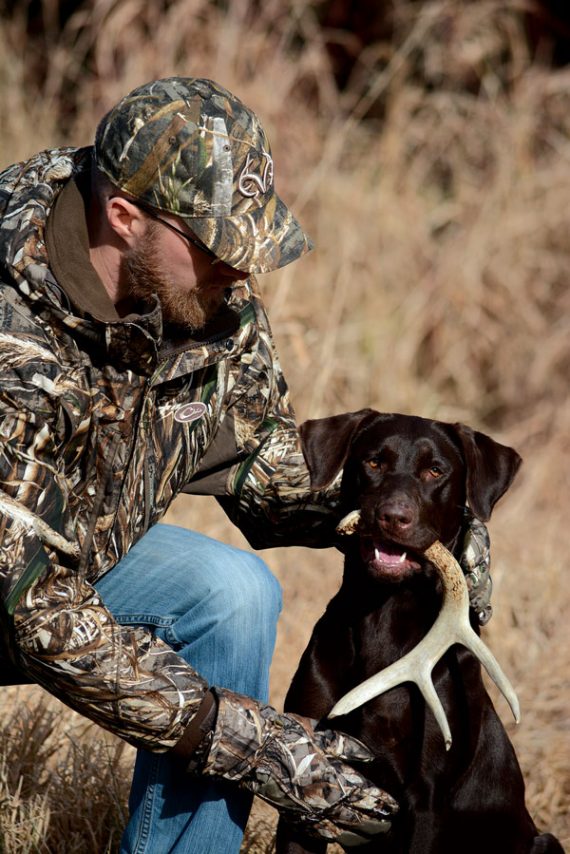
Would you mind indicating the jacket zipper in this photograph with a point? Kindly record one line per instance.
(106, 484)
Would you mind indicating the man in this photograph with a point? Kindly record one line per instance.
(137, 362)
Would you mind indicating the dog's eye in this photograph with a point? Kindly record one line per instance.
(377, 465)
(432, 473)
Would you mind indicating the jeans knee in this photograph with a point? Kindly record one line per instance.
(264, 588)
(229, 635)
(239, 606)
(252, 600)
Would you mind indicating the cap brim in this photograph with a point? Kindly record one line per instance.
(259, 241)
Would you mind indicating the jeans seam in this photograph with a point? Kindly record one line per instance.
(144, 620)
(147, 810)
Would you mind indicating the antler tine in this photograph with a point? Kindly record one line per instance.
(349, 523)
(452, 626)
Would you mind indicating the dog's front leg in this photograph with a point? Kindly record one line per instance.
(321, 677)
(315, 688)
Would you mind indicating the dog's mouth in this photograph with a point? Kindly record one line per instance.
(390, 561)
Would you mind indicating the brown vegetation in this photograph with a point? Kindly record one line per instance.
(439, 287)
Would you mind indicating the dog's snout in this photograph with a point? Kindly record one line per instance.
(397, 514)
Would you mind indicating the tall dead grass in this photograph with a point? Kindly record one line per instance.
(439, 284)
(62, 789)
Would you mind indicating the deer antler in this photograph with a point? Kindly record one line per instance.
(452, 626)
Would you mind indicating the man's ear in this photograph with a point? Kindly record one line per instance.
(326, 443)
(491, 468)
(126, 220)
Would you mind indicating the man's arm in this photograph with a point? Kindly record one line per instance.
(55, 625)
(268, 494)
(266, 488)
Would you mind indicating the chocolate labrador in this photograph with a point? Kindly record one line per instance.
(410, 480)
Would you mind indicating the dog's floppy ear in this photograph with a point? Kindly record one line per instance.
(326, 443)
(491, 468)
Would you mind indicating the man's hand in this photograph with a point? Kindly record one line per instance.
(301, 771)
(475, 562)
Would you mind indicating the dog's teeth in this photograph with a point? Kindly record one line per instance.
(403, 557)
(376, 554)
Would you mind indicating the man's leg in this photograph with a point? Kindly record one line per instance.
(217, 607)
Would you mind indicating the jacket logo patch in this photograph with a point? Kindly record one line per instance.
(190, 412)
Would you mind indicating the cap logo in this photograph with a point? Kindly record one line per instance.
(250, 183)
(190, 412)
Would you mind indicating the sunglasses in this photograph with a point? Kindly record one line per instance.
(189, 238)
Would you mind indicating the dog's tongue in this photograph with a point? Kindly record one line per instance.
(389, 556)
(388, 560)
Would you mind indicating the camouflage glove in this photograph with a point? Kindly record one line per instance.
(475, 562)
(300, 771)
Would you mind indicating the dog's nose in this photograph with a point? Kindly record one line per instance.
(395, 514)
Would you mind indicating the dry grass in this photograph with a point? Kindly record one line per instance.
(63, 784)
(439, 286)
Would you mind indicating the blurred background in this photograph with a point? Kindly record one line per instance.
(425, 147)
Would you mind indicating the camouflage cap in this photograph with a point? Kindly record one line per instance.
(188, 146)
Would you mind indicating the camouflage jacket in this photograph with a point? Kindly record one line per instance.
(102, 424)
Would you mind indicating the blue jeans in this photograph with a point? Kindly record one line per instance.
(217, 606)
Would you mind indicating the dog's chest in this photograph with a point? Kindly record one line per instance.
(392, 622)
(383, 635)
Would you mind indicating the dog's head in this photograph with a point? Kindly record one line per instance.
(409, 477)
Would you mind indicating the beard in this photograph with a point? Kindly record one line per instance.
(188, 309)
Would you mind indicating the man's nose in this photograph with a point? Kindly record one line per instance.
(231, 272)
